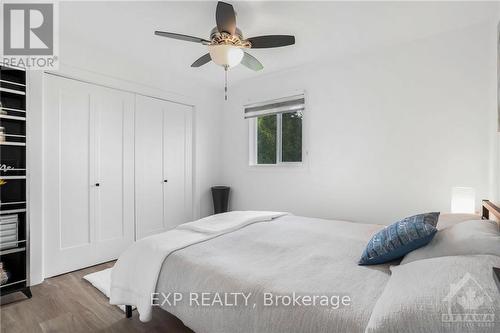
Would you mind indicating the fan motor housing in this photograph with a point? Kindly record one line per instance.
(224, 38)
(215, 32)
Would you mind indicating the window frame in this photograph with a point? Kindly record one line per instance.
(253, 140)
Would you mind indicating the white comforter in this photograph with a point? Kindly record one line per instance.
(232, 253)
(289, 254)
(135, 274)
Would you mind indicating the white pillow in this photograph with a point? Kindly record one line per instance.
(419, 297)
(447, 220)
(465, 238)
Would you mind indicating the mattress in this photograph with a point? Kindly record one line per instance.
(271, 263)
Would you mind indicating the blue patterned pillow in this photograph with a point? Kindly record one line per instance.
(397, 239)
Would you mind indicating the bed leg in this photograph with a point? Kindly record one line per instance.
(128, 311)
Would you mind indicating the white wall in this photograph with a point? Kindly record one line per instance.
(390, 131)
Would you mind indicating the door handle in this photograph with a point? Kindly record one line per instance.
(165, 180)
(97, 184)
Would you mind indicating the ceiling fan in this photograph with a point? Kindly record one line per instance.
(226, 46)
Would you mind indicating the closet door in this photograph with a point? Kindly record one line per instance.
(113, 162)
(163, 165)
(177, 164)
(149, 115)
(88, 171)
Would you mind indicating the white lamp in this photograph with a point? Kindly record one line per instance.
(463, 200)
(225, 55)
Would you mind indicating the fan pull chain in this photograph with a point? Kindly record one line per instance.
(225, 83)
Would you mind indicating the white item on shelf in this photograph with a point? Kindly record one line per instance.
(2, 111)
(9, 225)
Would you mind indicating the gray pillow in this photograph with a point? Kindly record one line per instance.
(447, 220)
(464, 238)
(432, 295)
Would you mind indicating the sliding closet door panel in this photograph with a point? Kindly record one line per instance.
(109, 175)
(177, 164)
(188, 193)
(113, 153)
(88, 138)
(73, 130)
(149, 179)
(68, 232)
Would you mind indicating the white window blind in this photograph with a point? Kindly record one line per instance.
(284, 105)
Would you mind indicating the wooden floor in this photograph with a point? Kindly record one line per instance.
(68, 303)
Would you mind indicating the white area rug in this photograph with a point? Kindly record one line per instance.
(102, 281)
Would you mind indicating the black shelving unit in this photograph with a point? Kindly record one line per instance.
(14, 227)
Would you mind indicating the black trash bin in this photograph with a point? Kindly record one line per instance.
(220, 195)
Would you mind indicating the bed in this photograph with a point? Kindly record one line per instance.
(250, 272)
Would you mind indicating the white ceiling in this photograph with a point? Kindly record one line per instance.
(120, 34)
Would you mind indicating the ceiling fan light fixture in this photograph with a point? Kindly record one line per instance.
(225, 55)
(227, 47)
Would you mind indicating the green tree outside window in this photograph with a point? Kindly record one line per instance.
(291, 138)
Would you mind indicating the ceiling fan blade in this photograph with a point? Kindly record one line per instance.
(264, 42)
(225, 18)
(182, 37)
(202, 60)
(249, 61)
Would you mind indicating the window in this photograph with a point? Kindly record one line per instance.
(276, 131)
(267, 138)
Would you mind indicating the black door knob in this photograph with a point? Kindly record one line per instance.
(165, 181)
(97, 184)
